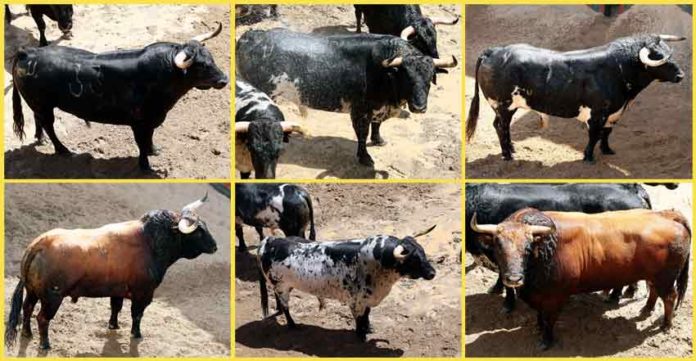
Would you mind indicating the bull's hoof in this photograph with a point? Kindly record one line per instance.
(136, 335)
(645, 312)
(45, 346)
(608, 151)
(27, 334)
(507, 157)
(113, 326)
(379, 142)
(64, 152)
(545, 345)
(588, 159)
(366, 160)
(155, 151)
(665, 326)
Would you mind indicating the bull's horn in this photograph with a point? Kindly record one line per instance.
(541, 230)
(442, 63)
(203, 37)
(192, 207)
(181, 61)
(241, 127)
(444, 21)
(187, 226)
(408, 31)
(289, 127)
(667, 37)
(491, 229)
(424, 232)
(398, 253)
(395, 62)
(645, 59)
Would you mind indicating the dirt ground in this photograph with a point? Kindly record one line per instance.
(194, 139)
(421, 146)
(587, 325)
(419, 318)
(653, 138)
(190, 313)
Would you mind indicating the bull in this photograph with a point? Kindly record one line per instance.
(367, 75)
(359, 272)
(260, 130)
(405, 21)
(120, 260)
(130, 87)
(549, 256)
(492, 203)
(61, 14)
(276, 206)
(593, 85)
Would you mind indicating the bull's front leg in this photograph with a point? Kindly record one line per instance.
(361, 125)
(361, 314)
(596, 123)
(116, 305)
(138, 305)
(38, 18)
(240, 235)
(143, 138)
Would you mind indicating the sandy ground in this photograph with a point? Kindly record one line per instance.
(194, 139)
(419, 318)
(653, 138)
(587, 326)
(190, 313)
(421, 146)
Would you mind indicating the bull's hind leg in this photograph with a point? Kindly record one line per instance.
(38, 132)
(240, 235)
(501, 123)
(604, 145)
(116, 305)
(46, 119)
(668, 294)
(652, 298)
(143, 138)
(49, 307)
(283, 303)
(28, 309)
(596, 124)
(361, 126)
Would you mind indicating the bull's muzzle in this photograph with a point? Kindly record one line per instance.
(513, 280)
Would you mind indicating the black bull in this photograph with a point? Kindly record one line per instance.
(132, 87)
(593, 85)
(367, 75)
(495, 202)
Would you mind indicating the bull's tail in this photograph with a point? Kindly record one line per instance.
(474, 107)
(15, 314)
(682, 283)
(312, 230)
(264, 292)
(17, 114)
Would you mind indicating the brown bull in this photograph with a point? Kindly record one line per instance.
(121, 260)
(549, 256)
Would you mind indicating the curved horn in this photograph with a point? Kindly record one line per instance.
(491, 229)
(192, 207)
(442, 63)
(425, 231)
(645, 59)
(667, 37)
(241, 127)
(408, 31)
(443, 21)
(187, 226)
(203, 37)
(181, 61)
(289, 127)
(541, 230)
(398, 253)
(395, 62)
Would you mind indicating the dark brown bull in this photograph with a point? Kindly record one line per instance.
(120, 260)
(549, 256)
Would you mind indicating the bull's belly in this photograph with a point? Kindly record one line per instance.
(105, 115)
(320, 284)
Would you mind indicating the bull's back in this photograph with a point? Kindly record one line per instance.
(609, 249)
(88, 262)
(306, 69)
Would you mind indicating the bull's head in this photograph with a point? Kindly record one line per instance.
(655, 55)
(422, 34)
(196, 238)
(198, 64)
(264, 139)
(414, 74)
(510, 241)
(410, 257)
(63, 16)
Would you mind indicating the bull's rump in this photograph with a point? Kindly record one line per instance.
(318, 71)
(551, 82)
(100, 262)
(611, 249)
